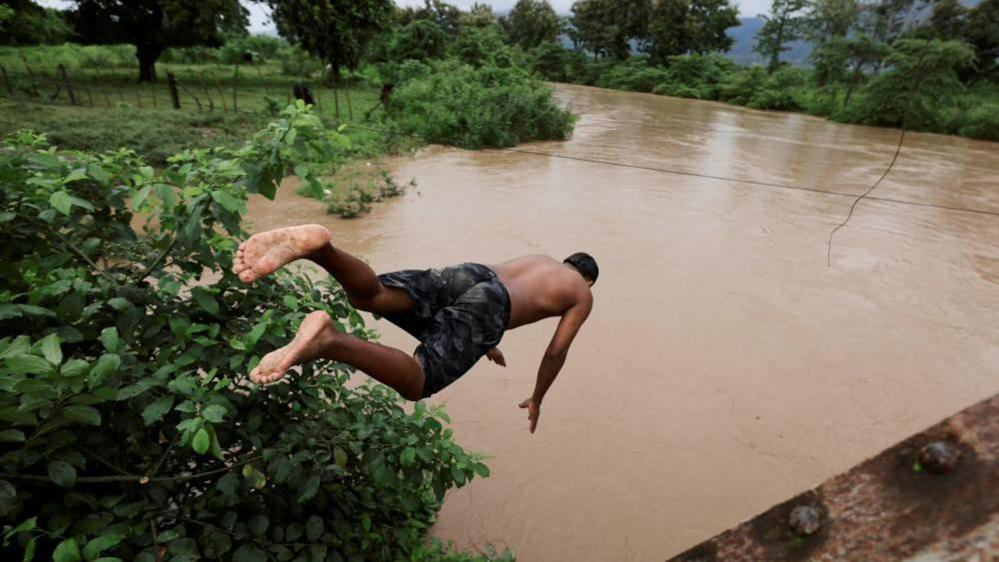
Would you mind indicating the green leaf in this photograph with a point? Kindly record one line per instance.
(27, 525)
(258, 525)
(201, 441)
(408, 456)
(458, 475)
(11, 436)
(481, 469)
(62, 473)
(146, 172)
(99, 174)
(74, 368)
(314, 528)
(109, 339)
(230, 203)
(8, 498)
(51, 349)
(83, 414)
(67, 551)
(139, 197)
(155, 411)
(249, 553)
(28, 365)
(61, 201)
(205, 300)
(309, 489)
(214, 413)
(95, 547)
(340, 457)
(215, 544)
(29, 550)
(8, 311)
(118, 303)
(106, 366)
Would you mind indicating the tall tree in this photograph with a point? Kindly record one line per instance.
(981, 31)
(825, 20)
(678, 27)
(947, 19)
(479, 15)
(23, 22)
(781, 26)
(531, 23)
(336, 31)
(710, 19)
(154, 25)
(607, 27)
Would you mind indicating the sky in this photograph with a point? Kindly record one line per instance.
(260, 15)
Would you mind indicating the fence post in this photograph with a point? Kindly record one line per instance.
(6, 80)
(67, 84)
(235, 83)
(172, 84)
(221, 95)
(26, 65)
(211, 104)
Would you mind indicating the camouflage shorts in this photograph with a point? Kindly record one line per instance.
(458, 314)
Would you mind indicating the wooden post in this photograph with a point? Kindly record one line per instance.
(221, 95)
(350, 110)
(235, 85)
(211, 104)
(6, 80)
(172, 84)
(196, 100)
(67, 84)
(26, 65)
(336, 102)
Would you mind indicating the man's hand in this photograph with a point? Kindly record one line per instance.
(496, 356)
(533, 411)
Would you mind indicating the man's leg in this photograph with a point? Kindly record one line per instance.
(269, 251)
(318, 339)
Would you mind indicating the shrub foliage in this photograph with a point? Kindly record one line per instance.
(128, 429)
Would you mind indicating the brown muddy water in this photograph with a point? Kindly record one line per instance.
(724, 367)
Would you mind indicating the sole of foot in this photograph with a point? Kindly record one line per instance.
(265, 253)
(314, 338)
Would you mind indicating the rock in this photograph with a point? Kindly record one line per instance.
(940, 457)
(804, 520)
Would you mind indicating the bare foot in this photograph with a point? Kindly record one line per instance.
(315, 337)
(269, 251)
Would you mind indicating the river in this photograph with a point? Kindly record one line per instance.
(725, 367)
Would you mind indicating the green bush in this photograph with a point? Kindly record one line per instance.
(979, 122)
(738, 88)
(550, 61)
(479, 107)
(778, 90)
(696, 76)
(484, 46)
(129, 429)
(635, 75)
(418, 40)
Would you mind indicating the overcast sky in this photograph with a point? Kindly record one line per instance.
(260, 15)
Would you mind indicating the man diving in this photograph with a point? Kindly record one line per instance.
(458, 313)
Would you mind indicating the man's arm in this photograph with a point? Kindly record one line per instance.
(555, 356)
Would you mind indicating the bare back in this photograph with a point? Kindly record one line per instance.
(540, 287)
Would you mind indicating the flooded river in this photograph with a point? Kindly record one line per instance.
(724, 367)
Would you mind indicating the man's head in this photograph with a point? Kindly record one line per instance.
(585, 265)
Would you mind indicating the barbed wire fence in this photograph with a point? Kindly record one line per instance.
(195, 92)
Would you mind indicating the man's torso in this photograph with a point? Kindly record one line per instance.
(539, 287)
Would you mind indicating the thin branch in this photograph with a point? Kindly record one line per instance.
(184, 476)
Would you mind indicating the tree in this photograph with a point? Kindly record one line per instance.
(922, 76)
(679, 27)
(418, 40)
(782, 26)
(531, 23)
(479, 16)
(607, 27)
(336, 31)
(826, 19)
(154, 25)
(947, 19)
(981, 31)
(23, 22)
(447, 16)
